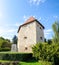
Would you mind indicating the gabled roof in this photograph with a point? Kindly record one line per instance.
(30, 20)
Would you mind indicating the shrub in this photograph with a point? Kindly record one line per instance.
(56, 58)
(45, 52)
(49, 41)
(5, 49)
(0, 49)
(46, 63)
(5, 43)
(16, 56)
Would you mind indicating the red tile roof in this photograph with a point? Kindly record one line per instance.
(30, 20)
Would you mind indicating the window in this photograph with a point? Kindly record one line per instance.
(41, 38)
(40, 28)
(26, 48)
(25, 37)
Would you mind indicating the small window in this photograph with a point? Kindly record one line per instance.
(25, 37)
(26, 48)
(40, 28)
(41, 38)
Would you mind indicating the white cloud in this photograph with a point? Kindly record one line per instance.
(25, 17)
(48, 33)
(3, 31)
(49, 30)
(34, 16)
(7, 25)
(17, 24)
(8, 33)
(40, 19)
(1, 15)
(11, 31)
(37, 2)
(8, 30)
(55, 16)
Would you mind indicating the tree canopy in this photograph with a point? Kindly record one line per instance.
(55, 28)
(5, 44)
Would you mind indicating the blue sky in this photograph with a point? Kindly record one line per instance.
(14, 12)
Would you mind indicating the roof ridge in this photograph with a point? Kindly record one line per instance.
(29, 19)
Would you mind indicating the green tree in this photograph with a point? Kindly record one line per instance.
(55, 27)
(4, 44)
(49, 41)
(8, 40)
(45, 40)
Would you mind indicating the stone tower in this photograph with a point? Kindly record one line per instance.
(30, 33)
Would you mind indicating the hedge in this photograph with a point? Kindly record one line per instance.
(5, 49)
(16, 56)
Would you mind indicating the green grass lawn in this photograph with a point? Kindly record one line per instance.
(24, 63)
(30, 63)
(36, 63)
